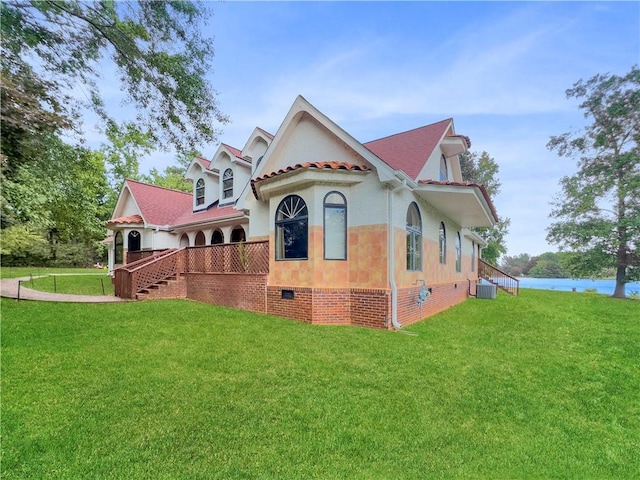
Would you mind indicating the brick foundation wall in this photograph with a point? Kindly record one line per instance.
(442, 297)
(239, 290)
(370, 308)
(323, 306)
(329, 306)
(300, 307)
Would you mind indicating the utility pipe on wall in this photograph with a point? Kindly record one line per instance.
(391, 257)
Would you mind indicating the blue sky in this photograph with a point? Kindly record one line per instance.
(500, 69)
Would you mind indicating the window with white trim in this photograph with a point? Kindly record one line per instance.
(473, 256)
(227, 183)
(414, 238)
(119, 248)
(444, 169)
(335, 226)
(442, 242)
(292, 229)
(200, 192)
(458, 253)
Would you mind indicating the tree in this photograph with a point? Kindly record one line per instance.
(481, 168)
(60, 196)
(156, 47)
(516, 265)
(173, 175)
(598, 212)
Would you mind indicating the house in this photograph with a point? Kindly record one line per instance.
(375, 234)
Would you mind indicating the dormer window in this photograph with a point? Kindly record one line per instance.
(200, 192)
(444, 169)
(227, 183)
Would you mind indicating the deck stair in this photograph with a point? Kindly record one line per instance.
(170, 287)
(497, 277)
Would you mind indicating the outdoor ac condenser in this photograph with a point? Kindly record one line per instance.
(486, 291)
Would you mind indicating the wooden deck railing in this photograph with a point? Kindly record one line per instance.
(133, 277)
(243, 257)
(140, 254)
(494, 275)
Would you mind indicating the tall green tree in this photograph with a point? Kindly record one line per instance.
(598, 212)
(173, 176)
(61, 196)
(482, 168)
(156, 47)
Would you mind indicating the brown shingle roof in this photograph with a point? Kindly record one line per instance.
(409, 151)
(159, 205)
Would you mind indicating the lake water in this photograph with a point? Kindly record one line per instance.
(580, 284)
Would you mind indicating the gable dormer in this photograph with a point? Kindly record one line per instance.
(256, 147)
(442, 162)
(205, 183)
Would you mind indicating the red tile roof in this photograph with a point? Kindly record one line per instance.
(158, 205)
(131, 219)
(309, 165)
(465, 184)
(318, 165)
(409, 151)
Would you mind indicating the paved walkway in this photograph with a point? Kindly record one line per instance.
(9, 289)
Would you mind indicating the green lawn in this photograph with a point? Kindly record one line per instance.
(539, 386)
(77, 284)
(17, 272)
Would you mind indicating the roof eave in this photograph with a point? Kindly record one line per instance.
(466, 205)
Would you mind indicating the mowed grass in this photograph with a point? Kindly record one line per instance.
(75, 284)
(17, 272)
(545, 385)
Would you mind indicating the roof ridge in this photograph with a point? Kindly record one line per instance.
(408, 131)
(156, 186)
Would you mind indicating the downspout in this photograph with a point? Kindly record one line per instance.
(392, 258)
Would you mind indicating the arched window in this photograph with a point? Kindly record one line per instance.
(184, 240)
(458, 253)
(238, 235)
(444, 169)
(443, 244)
(133, 241)
(473, 256)
(200, 240)
(414, 238)
(119, 244)
(217, 237)
(335, 226)
(227, 183)
(292, 229)
(200, 192)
